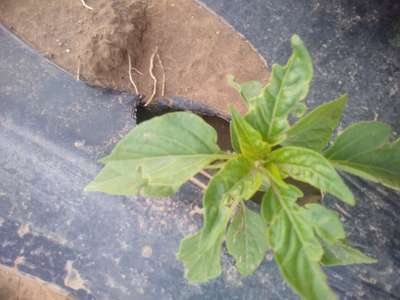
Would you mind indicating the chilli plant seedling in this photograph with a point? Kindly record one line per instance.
(161, 154)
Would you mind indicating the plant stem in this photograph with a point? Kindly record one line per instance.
(205, 174)
(198, 183)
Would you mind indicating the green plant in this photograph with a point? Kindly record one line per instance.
(161, 154)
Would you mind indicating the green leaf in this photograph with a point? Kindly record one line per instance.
(248, 90)
(201, 252)
(158, 156)
(339, 254)
(246, 240)
(296, 249)
(309, 166)
(234, 138)
(364, 150)
(358, 138)
(288, 85)
(328, 227)
(249, 140)
(299, 110)
(315, 129)
(325, 221)
(270, 207)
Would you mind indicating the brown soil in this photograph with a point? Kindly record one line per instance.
(197, 48)
(16, 286)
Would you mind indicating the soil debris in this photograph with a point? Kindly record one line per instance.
(198, 49)
(147, 251)
(23, 229)
(116, 34)
(73, 279)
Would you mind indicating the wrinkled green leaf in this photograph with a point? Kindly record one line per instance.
(270, 207)
(234, 139)
(158, 156)
(309, 166)
(315, 129)
(248, 90)
(364, 150)
(246, 240)
(339, 254)
(326, 222)
(249, 140)
(296, 249)
(201, 252)
(288, 85)
(328, 227)
(299, 110)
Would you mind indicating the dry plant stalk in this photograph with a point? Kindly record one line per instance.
(198, 183)
(163, 75)
(85, 5)
(205, 174)
(151, 69)
(78, 71)
(130, 75)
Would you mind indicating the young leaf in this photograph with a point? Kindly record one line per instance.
(270, 207)
(246, 240)
(358, 138)
(201, 252)
(315, 129)
(288, 85)
(299, 110)
(363, 150)
(339, 254)
(249, 140)
(234, 138)
(328, 227)
(296, 249)
(325, 221)
(158, 156)
(248, 90)
(309, 166)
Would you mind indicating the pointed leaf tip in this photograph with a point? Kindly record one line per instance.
(295, 40)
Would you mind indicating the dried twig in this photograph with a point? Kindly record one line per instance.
(163, 75)
(85, 5)
(130, 75)
(137, 71)
(196, 211)
(78, 71)
(151, 68)
(339, 208)
(198, 183)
